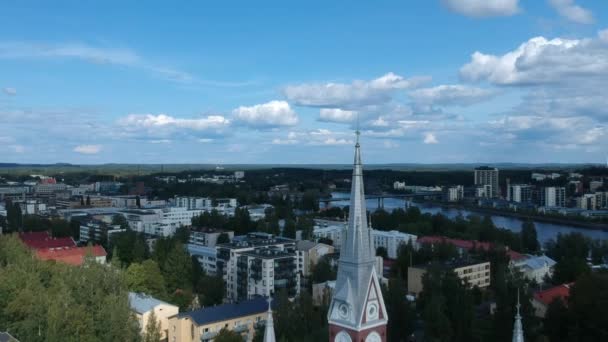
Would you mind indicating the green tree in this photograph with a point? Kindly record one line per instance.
(381, 251)
(211, 290)
(119, 220)
(47, 301)
(223, 238)
(401, 316)
(306, 225)
(152, 331)
(588, 308)
(146, 278)
(323, 271)
(177, 269)
(226, 335)
(529, 238)
(289, 230)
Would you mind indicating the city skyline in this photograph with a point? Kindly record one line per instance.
(440, 81)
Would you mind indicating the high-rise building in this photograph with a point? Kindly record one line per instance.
(453, 193)
(357, 311)
(520, 193)
(553, 197)
(485, 176)
(259, 265)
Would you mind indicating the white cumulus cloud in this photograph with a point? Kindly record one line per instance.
(540, 60)
(160, 121)
(430, 138)
(270, 114)
(483, 8)
(459, 95)
(571, 11)
(337, 115)
(88, 149)
(350, 95)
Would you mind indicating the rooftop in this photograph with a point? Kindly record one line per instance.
(450, 265)
(549, 295)
(536, 262)
(42, 240)
(269, 253)
(227, 311)
(6, 337)
(252, 240)
(142, 303)
(467, 244)
(71, 255)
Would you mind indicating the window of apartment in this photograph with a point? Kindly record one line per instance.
(192, 331)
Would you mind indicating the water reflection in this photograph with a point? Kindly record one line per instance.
(546, 231)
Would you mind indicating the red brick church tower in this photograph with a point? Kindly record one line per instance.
(357, 312)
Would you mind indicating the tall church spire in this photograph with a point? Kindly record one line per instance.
(518, 331)
(357, 310)
(269, 330)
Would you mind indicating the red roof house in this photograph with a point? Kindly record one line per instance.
(72, 255)
(542, 299)
(466, 245)
(41, 240)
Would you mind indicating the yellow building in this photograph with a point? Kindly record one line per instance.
(204, 324)
(474, 273)
(143, 306)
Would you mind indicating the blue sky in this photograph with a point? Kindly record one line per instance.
(430, 81)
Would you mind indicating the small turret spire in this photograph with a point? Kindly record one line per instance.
(269, 330)
(518, 331)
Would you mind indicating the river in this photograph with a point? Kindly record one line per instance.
(545, 231)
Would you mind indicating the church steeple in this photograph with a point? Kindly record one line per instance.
(269, 329)
(518, 331)
(357, 311)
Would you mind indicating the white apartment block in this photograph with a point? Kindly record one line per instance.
(520, 193)
(208, 237)
(259, 265)
(46, 189)
(206, 256)
(453, 193)
(192, 203)
(589, 201)
(488, 176)
(473, 274)
(392, 240)
(329, 230)
(553, 197)
(399, 185)
(32, 207)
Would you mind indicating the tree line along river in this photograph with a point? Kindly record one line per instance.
(545, 231)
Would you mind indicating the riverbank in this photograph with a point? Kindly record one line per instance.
(523, 216)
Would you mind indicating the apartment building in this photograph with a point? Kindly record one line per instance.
(143, 306)
(553, 197)
(392, 240)
(310, 254)
(258, 265)
(474, 273)
(203, 325)
(520, 193)
(208, 237)
(206, 256)
(97, 231)
(453, 193)
(486, 176)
